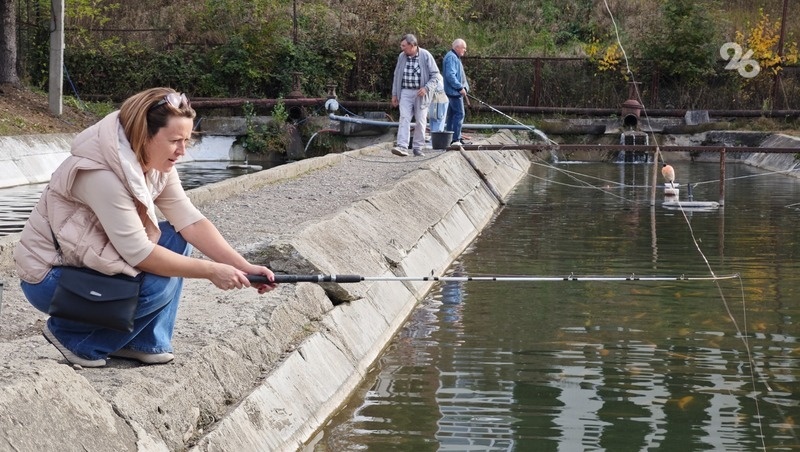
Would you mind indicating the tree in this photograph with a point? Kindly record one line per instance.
(8, 42)
(682, 42)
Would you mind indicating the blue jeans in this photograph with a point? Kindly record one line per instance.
(437, 114)
(154, 319)
(455, 117)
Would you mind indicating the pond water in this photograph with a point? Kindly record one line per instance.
(601, 365)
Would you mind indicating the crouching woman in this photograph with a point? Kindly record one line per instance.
(99, 211)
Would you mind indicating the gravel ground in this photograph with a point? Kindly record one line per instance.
(276, 209)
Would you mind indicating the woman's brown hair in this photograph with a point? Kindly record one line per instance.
(144, 113)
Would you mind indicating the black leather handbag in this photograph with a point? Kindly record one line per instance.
(87, 296)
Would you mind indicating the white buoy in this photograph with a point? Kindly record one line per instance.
(691, 205)
(672, 200)
(671, 190)
(243, 166)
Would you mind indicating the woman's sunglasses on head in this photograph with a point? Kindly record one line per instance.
(174, 99)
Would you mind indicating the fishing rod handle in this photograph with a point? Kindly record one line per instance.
(290, 279)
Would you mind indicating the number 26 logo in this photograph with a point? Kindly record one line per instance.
(744, 64)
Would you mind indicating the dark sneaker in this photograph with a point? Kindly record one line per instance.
(418, 153)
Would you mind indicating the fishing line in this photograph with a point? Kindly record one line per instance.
(530, 128)
(751, 361)
(584, 185)
(390, 160)
(749, 176)
(575, 175)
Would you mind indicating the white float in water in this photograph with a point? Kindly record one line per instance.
(672, 200)
(691, 205)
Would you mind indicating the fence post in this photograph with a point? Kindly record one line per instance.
(722, 177)
(537, 81)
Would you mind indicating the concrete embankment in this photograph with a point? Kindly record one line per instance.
(256, 373)
(31, 159)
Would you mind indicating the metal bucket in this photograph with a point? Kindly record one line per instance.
(441, 140)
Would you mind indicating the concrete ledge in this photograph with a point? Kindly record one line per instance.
(261, 372)
(31, 159)
(427, 220)
(776, 162)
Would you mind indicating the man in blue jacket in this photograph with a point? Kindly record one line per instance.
(456, 88)
(415, 79)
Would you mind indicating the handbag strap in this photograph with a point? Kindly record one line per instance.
(58, 246)
(55, 241)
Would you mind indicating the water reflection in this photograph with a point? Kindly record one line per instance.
(469, 419)
(16, 203)
(602, 365)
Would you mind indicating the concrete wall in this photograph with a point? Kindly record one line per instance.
(306, 355)
(431, 217)
(31, 159)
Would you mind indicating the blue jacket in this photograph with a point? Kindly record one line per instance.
(454, 76)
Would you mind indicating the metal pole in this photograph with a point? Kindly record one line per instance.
(777, 81)
(56, 84)
(722, 177)
(654, 183)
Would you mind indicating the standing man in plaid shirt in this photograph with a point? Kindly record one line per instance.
(415, 79)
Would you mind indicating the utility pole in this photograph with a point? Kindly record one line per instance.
(56, 73)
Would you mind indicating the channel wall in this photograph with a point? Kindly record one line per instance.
(257, 373)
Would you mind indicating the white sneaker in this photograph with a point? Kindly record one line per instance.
(456, 143)
(397, 150)
(142, 357)
(72, 358)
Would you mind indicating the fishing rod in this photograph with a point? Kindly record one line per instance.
(260, 279)
(530, 128)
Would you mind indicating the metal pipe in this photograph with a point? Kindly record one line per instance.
(625, 147)
(374, 122)
(207, 102)
(238, 102)
(678, 113)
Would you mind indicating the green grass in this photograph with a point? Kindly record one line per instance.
(99, 109)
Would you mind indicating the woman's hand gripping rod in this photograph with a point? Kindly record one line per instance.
(291, 279)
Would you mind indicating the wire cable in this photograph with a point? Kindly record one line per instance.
(745, 342)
